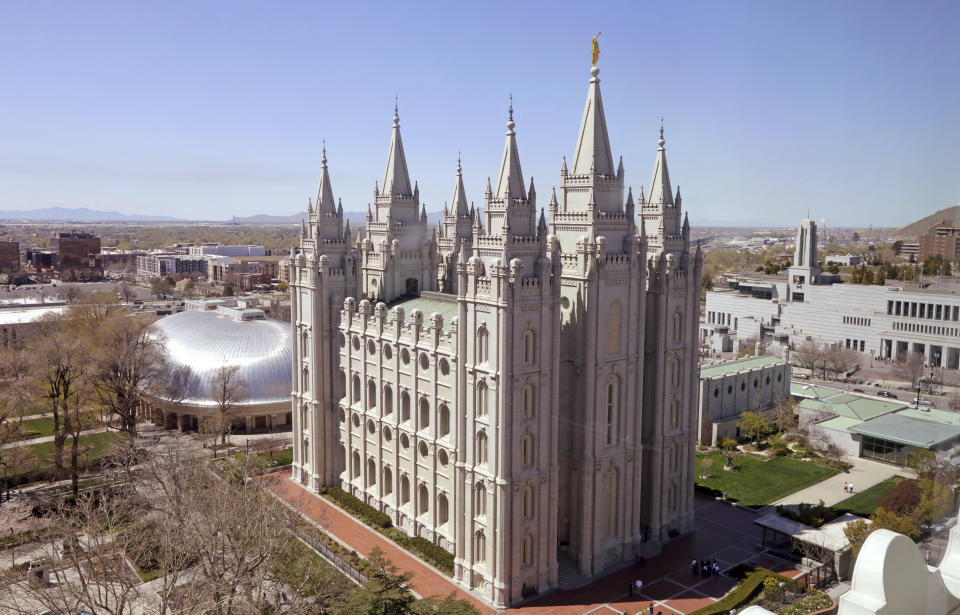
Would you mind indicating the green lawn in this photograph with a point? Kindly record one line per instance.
(36, 428)
(753, 482)
(100, 445)
(865, 502)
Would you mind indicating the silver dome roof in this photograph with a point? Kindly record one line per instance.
(199, 342)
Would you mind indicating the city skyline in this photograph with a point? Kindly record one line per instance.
(187, 111)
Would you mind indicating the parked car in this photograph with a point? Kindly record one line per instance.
(923, 401)
(886, 394)
(858, 390)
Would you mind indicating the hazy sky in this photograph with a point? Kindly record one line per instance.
(212, 109)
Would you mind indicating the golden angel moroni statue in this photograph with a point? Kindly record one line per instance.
(596, 48)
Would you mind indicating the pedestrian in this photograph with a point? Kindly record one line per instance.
(651, 608)
(851, 486)
(639, 586)
(716, 569)
(693, 567)
(845, 486)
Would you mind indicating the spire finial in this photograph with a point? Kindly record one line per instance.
(661, 141)
(459, 169)
(323, 159)
(396, 110)
(511, 106)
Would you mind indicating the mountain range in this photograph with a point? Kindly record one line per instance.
(921, 226)
(78, 214)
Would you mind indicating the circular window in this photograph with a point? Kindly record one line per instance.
(743, 386)
(444, 367)
(405, 356)
(371, 347)
(442, 457)
(423, 449)
(565, 303)
(424, 362)
(371, 427)
(356, 420)
(729, 389)
(404, 441)
(342, 339)
(387, 435)
(356, 343)
(716, 392)
(387, 352)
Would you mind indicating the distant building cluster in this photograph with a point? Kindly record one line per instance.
(942, 239)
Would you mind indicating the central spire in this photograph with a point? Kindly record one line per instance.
(325, 203)
(458, 206)
(592, 154)
(510, 179)
(396, 179)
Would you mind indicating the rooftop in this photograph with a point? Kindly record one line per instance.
(852, 406)
(906, 428)
(830, 535)
(738, 365)
(428, 303)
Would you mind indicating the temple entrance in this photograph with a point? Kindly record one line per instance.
(413, 288)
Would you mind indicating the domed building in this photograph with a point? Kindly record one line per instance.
(199, 343)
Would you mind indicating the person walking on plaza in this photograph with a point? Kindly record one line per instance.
(651, 608)
(639, 586)
(693, 567)
(851, 486)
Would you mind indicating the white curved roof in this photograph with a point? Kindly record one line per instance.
(199, 342)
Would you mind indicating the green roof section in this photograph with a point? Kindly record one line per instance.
(738, 365)
(429, 303)
(812, 391)
(904, 428)
(852, 406)
(933, 415)
(839, 423)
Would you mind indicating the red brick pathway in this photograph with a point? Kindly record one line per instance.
(724, 532)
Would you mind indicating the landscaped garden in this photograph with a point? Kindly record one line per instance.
(755, 482)
(865, 502)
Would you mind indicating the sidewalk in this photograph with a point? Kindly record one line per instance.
(724, 532)
(864, 474)
(43, 439)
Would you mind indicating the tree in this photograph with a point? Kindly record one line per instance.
(839, 360)
(809, 355)
(128, 361)
(125, 292)
(858, 531)
(227, 290)
(160, 287)
(783, 413)
(753, 425)
(283, 287)
(902, 499)
(228, 393)
(728, 448)
(936, 501)
(15, 401)
(909, 368)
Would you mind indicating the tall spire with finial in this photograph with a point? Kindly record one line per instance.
(459, 204)
(510, 179)
(592, 154)
(660, 190)
(396, 179)
(325, 202)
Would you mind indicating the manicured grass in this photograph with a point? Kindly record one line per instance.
(36, 428)
(753, 482)
(98, 445)
(865, 502)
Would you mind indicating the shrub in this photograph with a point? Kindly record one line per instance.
(813, 601)
(814, 516)
(743, 593)
(368, 514)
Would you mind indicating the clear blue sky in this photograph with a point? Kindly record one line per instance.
(212, 109)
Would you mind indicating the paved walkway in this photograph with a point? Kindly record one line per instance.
(43, 439)
(724, 532)
(864, 474)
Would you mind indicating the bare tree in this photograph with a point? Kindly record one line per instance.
(125, 292)
(128, 361)
(782, 413)
(809, 355)
(227, 388)
(909, 368)
(839, 360)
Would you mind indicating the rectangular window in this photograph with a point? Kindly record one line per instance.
(889, 307)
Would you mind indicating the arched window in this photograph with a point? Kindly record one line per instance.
(613, 408)
(613, 328)
(526, 503)
(677, 326)
(483, 345)
(371, 472)
(424, 418)
(423, 500)
(481, 449)
(527, 550)
(342, 382)
(404, 406)
(482, 398)
(529, 401)
(529, 347)
(356, 389)
(444, 421)
(672, 499)
(387, 481)
(674, 453)
(480, 547)
(612, 505)
(404, 489)
(305, 345)
(479, 500)
(304, 417)
(526, 450)
(674, 413)
(387, 400)
(675, 367)
(356, 464)
(306, 380)
(371, 394)
(443, 509)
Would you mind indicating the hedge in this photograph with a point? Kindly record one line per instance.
(435, 554)
(366, 513)
(744, 592)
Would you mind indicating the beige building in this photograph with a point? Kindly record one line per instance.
(517, 388)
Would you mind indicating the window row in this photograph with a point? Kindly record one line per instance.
(422, 505)
(931, 311)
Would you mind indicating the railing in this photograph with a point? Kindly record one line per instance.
(340, 562)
